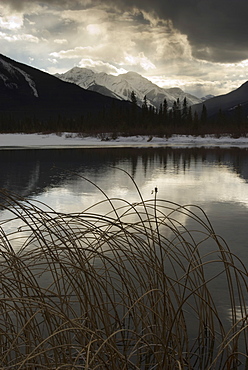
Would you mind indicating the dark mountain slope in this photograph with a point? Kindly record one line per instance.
(27, 92)
(227, 103)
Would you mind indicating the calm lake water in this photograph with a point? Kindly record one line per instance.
(214, 179)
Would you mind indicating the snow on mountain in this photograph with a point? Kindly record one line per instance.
(122, 85)
(28, 94)
(103, 91)
(209, 96)
(14, 71)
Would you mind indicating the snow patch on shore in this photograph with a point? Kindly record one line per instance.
(65, 140)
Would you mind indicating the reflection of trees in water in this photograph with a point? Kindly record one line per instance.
(234, 158)
(29, 172)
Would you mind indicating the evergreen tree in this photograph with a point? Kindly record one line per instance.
(133, 118)
(144, 105)
(178, 104)
(221, 118)
(190, 119)
(174, 108)
(185, 109)
(196, 121)
(160, 112)
(204, 114)
(145, 114)
(133, 98)
(165, 109)
(176, 112)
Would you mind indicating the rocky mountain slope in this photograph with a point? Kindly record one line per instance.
(122, 85)
(28, 94)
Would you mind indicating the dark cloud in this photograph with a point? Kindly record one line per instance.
(216, 29)
(67, 4)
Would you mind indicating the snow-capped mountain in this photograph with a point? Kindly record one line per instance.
(122, 85)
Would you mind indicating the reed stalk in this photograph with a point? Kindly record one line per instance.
(134, 288)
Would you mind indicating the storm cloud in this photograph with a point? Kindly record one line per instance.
(216, 29)
(201, 42)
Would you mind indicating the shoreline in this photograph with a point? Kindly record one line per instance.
(73, 140)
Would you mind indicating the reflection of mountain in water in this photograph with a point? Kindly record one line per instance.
(30, 172)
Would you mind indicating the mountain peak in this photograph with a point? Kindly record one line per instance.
(35, 96)
(175, 90)
(132, 74)
(123, 85)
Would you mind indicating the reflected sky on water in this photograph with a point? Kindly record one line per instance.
(215, 179)
(182, 175)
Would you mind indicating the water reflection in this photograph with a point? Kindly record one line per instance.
(214, 179)
(31, 172)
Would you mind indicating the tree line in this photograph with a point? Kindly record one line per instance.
(180, 119)
(132, 119)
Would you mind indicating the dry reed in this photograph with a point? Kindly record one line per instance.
(134, 288)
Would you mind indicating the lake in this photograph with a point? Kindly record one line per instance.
(71, 180)
(214, 179)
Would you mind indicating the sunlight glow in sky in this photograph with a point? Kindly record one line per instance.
(199, 46)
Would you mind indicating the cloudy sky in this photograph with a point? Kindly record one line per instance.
(198, 45)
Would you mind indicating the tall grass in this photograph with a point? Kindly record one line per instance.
(144, 286)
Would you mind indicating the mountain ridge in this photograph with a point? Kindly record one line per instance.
(29, 97)
(28, 92)
(123, 84)
(226, 103)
